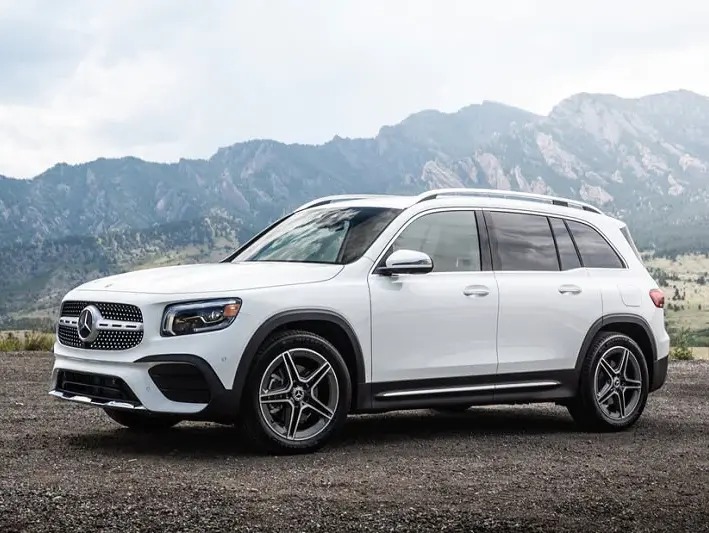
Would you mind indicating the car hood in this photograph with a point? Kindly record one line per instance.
(213, 277)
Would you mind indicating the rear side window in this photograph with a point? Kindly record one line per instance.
(522, 242)
(568, 256)
(594, 249)
(626, 233)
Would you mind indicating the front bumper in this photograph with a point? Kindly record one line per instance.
(190, 375)
(181, 384)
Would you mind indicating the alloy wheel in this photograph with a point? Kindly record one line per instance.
(618, 383)
(298, 394)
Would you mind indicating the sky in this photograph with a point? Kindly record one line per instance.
(170, 79)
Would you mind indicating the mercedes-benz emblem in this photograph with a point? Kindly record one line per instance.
(87, 324)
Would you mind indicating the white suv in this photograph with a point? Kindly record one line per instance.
(355, 304)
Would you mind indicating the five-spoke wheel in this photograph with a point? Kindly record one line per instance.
(613, 387)
(618, 382)
(298, 393)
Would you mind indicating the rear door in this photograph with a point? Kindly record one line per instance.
(548, 301)
(621, 289)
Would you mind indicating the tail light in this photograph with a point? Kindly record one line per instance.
(658, 298)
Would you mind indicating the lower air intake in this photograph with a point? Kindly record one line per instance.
(100, 388)
(181, 382)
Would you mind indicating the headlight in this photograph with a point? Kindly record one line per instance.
(199, 317)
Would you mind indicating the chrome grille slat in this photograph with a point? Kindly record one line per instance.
(109, 325)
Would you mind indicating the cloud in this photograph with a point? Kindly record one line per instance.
(178, 78)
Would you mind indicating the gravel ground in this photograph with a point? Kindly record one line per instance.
(65, 467)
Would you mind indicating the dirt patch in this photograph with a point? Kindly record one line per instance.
(701, 353)
(65, 467)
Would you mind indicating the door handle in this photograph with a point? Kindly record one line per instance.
(569, 289)
(476, 290)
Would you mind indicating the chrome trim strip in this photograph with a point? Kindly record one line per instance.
(418, 392)
(471, 388)
(104, 324)
(532, 384)
(88, 401)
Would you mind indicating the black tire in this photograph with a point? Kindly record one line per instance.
(142, 421)
(257, 422)
(586, 408)
(448, 409)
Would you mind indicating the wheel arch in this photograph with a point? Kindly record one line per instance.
(329, 325)
(634, 326)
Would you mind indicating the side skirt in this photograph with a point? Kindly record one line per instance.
(529, 387)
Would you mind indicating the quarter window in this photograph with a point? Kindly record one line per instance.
(594, 249)
(626, 233)
(523, 242)
(450, 238)
(568, 256)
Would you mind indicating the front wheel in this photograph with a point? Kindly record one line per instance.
(142, 421)
(298, 393)
(613, 387)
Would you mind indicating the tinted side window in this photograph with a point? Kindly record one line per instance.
(524, 242)
(567, 251)
(450, 238)
(626, 233)
(594, 249)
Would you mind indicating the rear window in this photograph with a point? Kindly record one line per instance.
(626, 233)
(594, 249)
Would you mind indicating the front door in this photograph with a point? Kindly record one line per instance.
(442, 324)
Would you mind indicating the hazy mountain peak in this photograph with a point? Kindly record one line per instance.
(614, 151)
(607, 118)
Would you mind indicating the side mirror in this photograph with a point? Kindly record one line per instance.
(406, 262)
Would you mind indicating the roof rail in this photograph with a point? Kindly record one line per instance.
(336, 198)
(435, 193)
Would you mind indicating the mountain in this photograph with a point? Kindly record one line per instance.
(645, 160)
(36, 276)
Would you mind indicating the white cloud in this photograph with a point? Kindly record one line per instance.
(179, 78)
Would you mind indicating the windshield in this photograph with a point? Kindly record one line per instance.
(330, 235)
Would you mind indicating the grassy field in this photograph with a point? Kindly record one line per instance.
(685, 281)
(25, 341)
(189, 254)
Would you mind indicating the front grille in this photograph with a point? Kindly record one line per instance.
(98, 387)
(106, 340)
(111, 311)
(109, 339)
(181, 382)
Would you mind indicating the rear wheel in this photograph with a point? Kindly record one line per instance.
(613, 387)
(298, 393)
(142, 421)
